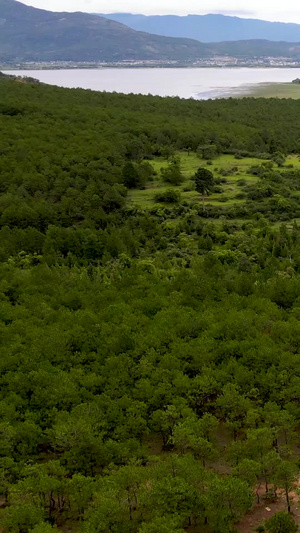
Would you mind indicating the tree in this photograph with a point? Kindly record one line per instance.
(233, 407)
(163, 524)
(43, 485)
(278, 158)
(21, 518)
(269, 464)
(104, 514)
(280, 421)
(44, 527)
(285, 476)
(164, 421)
(80, 493)
(281, 523)
(228, 499)
(207, 151)
(172, 173)
(196, 434)
(204, 182)
(130, 175)
(249, 471)
(172, 495)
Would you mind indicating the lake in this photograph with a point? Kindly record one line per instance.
(198, 83)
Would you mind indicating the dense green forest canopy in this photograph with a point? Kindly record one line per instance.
(149, 369)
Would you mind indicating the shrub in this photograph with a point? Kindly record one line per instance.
(281, 523)
(170, 196)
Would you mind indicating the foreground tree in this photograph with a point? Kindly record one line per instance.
(281, 523)
(228, 499)
(204, 182)
(285, 476)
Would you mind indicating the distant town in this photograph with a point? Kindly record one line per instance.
(213, 62)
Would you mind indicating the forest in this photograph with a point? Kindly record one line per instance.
(149, 369)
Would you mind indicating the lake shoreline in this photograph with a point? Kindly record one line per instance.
(6, 68)
(271, 90)
(195, 83)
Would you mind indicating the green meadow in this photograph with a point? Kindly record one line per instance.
(233, 172)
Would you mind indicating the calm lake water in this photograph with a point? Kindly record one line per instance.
(199, 83)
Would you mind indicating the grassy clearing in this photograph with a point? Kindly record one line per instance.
(272, 90)
(293, 160)
(235, 170)
(233, 173)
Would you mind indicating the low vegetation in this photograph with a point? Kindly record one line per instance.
(273, 90)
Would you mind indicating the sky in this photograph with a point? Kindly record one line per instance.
(288, 11)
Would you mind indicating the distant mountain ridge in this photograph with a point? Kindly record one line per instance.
(30, 34)
(209, 28)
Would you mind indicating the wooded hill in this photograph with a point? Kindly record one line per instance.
(149, 346)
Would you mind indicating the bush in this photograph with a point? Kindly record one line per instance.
(170, 196)
(189, 188)
(223, 199)
(281, 523)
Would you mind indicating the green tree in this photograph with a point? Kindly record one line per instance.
(163, 524)
(204, 182)
(278, 158)
(281, 523)
(207, 151)
(80, 489)
(228, 499)
(172, 173)
(233, 407)
(104, 514)
(285, 476)
(44, 527)
(249, 471)
(173, 494)
(130, 175)
(21, 518)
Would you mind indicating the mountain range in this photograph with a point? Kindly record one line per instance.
(30, 34)
(210, 28)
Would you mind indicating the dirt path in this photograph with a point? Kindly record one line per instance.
(259, 513)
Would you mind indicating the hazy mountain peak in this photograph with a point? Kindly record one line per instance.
(30, 34)
(212, 27)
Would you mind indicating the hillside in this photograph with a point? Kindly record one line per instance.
(149, 328)
(256, 48)
(210, 28)
(33, 34)
(30, 34)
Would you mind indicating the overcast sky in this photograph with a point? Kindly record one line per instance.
(288, 11)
